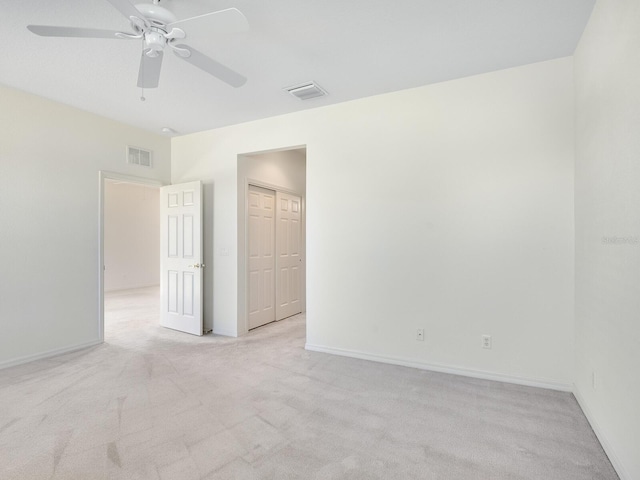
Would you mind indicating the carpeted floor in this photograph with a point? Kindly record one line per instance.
(152, 403)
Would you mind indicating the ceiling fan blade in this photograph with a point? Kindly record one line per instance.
(230, 20)
(212, 67)
(51, 31)
(126, 8)
(149, 73)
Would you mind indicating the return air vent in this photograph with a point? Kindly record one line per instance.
(138, 156)
(305, 91)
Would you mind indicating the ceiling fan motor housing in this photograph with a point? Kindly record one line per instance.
(155, 14)
(154, 42)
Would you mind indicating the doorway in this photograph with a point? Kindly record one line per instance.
(271, 233)
(129, 252)
(274, 260)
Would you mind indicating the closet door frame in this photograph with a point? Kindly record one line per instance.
(245, 263)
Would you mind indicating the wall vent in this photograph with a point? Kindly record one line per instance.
(138, 156)
(307, 90)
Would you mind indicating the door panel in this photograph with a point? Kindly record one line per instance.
(187, 236)
(181, 257)
(172, 234)
(289, 259)
(188, 299)
(172, 292)
(261, 256)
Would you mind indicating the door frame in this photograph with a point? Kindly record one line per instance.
(245, 259)
(103, 176)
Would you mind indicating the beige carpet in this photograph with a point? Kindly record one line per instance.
(156, 404)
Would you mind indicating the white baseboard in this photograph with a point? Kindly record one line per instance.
(224, 333)
(604, 441)
(465, 372)
(48, 354)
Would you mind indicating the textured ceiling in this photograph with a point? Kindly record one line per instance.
(352, 48)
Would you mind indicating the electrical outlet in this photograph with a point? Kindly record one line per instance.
(486, 341)
(420, 335)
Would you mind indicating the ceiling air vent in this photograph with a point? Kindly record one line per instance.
(138, 156)
(307, 90)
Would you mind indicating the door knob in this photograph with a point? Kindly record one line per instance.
(197, 265)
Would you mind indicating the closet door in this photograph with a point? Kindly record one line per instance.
(261, 233)
(288, 257)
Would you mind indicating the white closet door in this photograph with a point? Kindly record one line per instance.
(288, 256)
(261, 256)
(181, 257)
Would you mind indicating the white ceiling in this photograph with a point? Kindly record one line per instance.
(352, 48)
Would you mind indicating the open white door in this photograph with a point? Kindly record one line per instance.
(181, 257)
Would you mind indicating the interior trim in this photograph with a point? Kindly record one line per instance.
(48, 354)
(604, 441)
(434, 367)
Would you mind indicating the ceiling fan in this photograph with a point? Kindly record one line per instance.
(158, 29)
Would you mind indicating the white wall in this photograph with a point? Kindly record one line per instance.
(607, 73)
(447, 207)
(50, 156)
(286, 170)
(131, 236)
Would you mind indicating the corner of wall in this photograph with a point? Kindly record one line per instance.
(600, 433)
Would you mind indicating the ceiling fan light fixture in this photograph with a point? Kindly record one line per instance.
(306, 90)
(154, 42)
